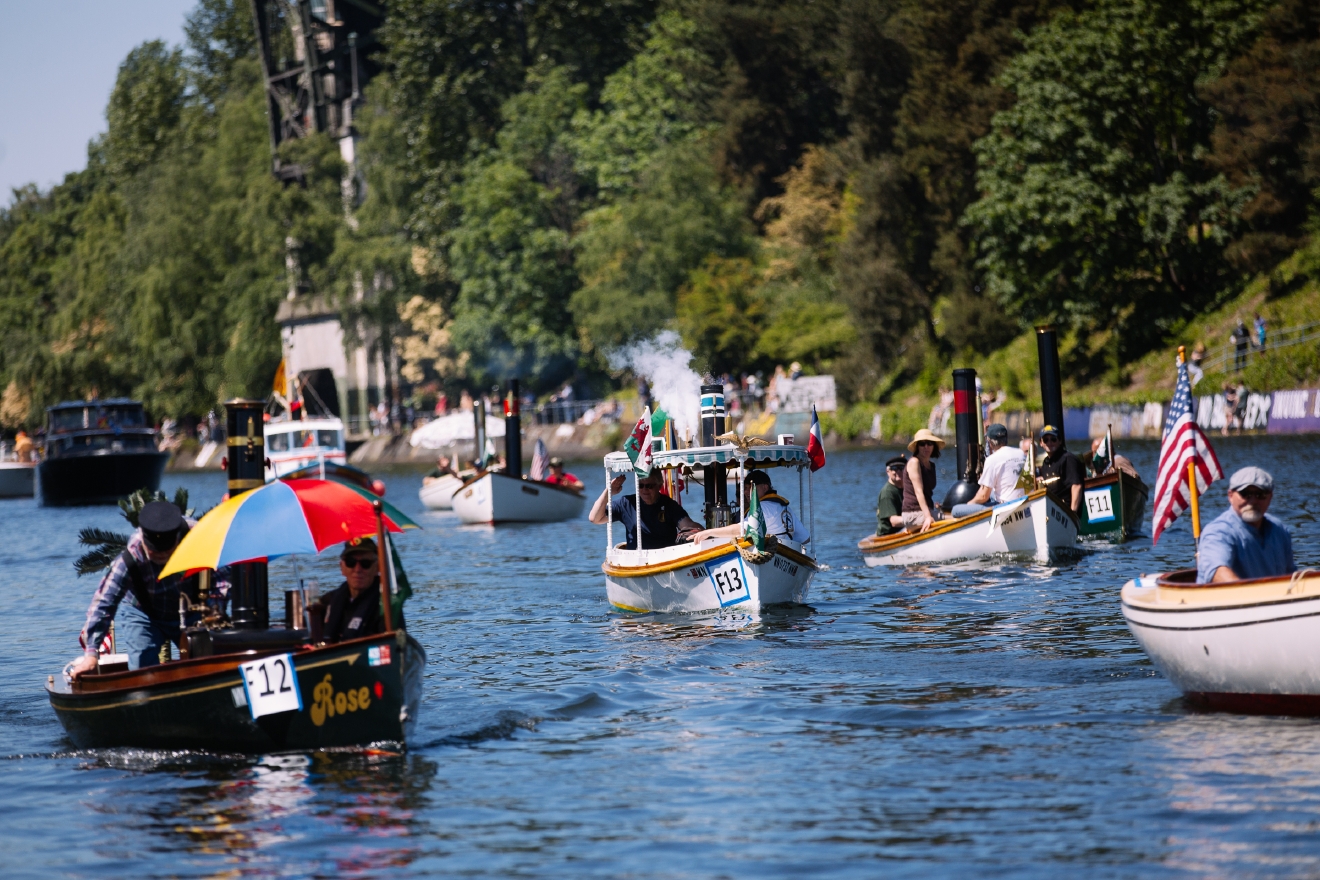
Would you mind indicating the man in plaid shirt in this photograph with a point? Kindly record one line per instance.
(149, 619)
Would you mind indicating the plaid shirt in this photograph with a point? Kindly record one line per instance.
(117, 585)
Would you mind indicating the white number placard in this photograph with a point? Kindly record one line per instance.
(271, 685)
(729, 579)
(1099, 505)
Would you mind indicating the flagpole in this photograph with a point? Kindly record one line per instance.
(1196, 507)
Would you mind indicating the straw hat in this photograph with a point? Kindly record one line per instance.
(923, 434)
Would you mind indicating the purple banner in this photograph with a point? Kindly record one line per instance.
(1295, 412)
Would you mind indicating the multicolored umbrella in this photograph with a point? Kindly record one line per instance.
(280, 518)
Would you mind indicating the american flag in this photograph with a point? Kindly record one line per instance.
(1183, 442)
(540, 462)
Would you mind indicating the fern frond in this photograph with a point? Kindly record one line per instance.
(95, 560)
(95, 536)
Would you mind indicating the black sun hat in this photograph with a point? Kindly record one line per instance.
(161, 523)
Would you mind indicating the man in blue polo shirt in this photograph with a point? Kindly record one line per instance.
(1244, 541)
(664, 521)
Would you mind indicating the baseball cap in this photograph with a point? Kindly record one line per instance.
(997, 432)
(1251, 476)
(1049, 429)
(359, 547)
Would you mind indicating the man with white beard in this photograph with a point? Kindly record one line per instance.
(1244, 541)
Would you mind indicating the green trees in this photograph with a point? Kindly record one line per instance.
(1097, 208)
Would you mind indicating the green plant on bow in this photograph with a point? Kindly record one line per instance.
(106, 544)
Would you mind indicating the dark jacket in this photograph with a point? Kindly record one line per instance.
(348, 618)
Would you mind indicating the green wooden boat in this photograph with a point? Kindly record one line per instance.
(1113, 506)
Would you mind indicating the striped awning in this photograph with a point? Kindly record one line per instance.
(757, 457)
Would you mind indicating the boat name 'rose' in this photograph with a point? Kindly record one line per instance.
(326, 703)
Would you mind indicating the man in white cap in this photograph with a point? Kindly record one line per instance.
(1244, 541)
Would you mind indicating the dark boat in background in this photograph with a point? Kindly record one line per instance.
(97, 452)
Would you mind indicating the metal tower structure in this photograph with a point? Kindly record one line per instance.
(316, 57)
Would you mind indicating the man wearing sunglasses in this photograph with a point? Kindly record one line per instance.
(353, 610)
(1061, 471)
(1244, 541)
(663, 519)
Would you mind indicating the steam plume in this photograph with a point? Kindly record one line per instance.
(675, 386)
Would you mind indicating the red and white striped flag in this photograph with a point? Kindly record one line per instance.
(540, 462)
(1184, 441)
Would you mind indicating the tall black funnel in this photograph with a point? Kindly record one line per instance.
(1051, 381)
(512, 431)
(964, 422)
(246, 452)
(712, 425)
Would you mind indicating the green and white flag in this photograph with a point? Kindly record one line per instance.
(754, 524)
(638, 446)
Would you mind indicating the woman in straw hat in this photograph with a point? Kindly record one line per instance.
(919, 510)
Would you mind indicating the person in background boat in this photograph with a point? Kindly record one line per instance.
(23, 447)
(889, 507)
(664, 520)
(999, 474)
(1245, 541)
(560, 477)
(149, 621)
(353, 608)
(1061, 471)
(779, 520)
(443, 468)
(920, 511)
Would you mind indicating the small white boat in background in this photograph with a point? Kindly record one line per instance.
(438, 494)
(17, 478)
(1247, 646)
(720, 572)
(292, 444)
(1034, 524)
(500, 498)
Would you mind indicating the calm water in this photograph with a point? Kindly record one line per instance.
(987, 718)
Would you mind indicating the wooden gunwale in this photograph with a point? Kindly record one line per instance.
(873, 544)
(538, 483)
(1223, 596)
(198, 668)
(697, 559)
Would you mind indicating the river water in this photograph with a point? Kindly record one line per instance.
(937, 720)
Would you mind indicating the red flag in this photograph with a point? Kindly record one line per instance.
(815, 445)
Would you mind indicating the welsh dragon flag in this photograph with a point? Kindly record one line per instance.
(638, 446)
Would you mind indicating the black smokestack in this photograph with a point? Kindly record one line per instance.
(1051, 382)
(246, 448)
(964, 422)
(712, 425)
(512, 431)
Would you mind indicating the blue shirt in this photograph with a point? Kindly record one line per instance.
(1249, 553)
(659, 521)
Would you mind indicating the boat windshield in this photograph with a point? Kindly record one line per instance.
(92, 417)
(321, 438)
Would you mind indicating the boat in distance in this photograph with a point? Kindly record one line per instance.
(439, 493)
(719, 573)
(1035, 524)
(97, 452)
(1242, 646)
(494, 498)
(17, 477)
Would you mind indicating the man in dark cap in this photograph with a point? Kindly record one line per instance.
(353, 609)
(149, 620)
(1061, 471)
(889, 508)
(999, 474)
(560, 477)
(1245, 541)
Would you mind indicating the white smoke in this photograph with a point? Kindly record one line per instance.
(675, 386)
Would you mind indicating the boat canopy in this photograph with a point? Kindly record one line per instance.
(757, 457)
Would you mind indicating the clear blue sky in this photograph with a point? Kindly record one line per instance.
(56, 71)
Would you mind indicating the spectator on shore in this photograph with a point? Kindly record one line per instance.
(1240, 338)
(795, 370)
(1230, 406)
(1259, 325)
(465, 403)
(442, 404)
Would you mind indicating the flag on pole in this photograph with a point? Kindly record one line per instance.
(638, 446)
(815, 443)
(1183, 442)
(754, 524)
(281, 383)
(488, 454)
(1101, 460)
(540, 461)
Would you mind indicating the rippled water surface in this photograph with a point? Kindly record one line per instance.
(943, 720)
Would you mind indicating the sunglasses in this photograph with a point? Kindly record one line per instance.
(363, 562)
(1255, 494)
(921, 443)
(648, 485)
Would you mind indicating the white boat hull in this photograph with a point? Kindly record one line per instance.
(1038, 526)
(1250, 646)
(439, 493)
(691, 579)
(496, 498)
(17, 479)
